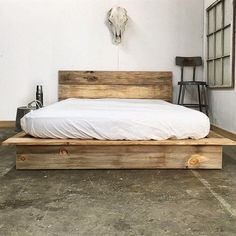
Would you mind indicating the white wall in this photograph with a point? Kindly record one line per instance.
(40, 37)
(223, 101)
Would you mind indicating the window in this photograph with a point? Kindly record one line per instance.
(220, 44)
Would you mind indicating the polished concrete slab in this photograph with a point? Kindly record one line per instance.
(116, 202)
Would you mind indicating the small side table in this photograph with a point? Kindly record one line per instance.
(21, 111)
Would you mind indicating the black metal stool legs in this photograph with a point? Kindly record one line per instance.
(202, 100)
(180, 91)
(183, 94)
(199, 97)
(205, 98)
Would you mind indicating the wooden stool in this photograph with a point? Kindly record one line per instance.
(200, 85)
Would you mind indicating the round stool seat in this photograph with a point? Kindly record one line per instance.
(192, 83)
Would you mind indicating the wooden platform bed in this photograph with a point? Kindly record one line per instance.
(35, 153)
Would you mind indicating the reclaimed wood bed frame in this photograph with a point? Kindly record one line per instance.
(35, 153)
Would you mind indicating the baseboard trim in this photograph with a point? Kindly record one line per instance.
(224, 132)
(7, 123)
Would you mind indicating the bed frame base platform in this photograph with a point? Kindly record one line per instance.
(118, 157)
(33, 153)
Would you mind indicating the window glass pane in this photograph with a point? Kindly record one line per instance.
(218, 16)
(218, 72)
(227, 74)
(219, 44)
(228, 12)
(227, 41)
(211, 47)
(211, 19)
(211, 73)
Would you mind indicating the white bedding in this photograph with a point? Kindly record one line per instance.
(116, 119)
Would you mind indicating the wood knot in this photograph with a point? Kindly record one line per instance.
(91, 78)
(63, 151)
(194, 161)
(89, 72)
(22, 158)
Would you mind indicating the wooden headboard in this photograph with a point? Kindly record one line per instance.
(114, 84)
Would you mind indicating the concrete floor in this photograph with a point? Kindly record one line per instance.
(120, 202)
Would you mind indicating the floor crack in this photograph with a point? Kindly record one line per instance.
(221, 200)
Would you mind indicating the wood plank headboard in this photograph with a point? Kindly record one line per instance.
(114, 84)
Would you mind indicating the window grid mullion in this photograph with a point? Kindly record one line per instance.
(214, 45)
(223, 39)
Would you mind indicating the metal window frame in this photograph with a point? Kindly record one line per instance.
(232, 46)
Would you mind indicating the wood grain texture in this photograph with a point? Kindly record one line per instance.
(114, 77)
(119, 157)
(26, 140)
(113, 84)
(35, 153)
(116, 91)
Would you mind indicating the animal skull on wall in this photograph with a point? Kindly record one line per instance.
(117, 19)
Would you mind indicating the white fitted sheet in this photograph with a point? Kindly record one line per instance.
(116, 119)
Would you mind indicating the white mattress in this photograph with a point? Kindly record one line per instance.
(116, 119)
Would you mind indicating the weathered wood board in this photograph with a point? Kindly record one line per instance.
(27, 140)
(119, 157)
(113, 84)
(35, 153)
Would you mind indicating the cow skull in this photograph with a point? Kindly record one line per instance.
(117, 19)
